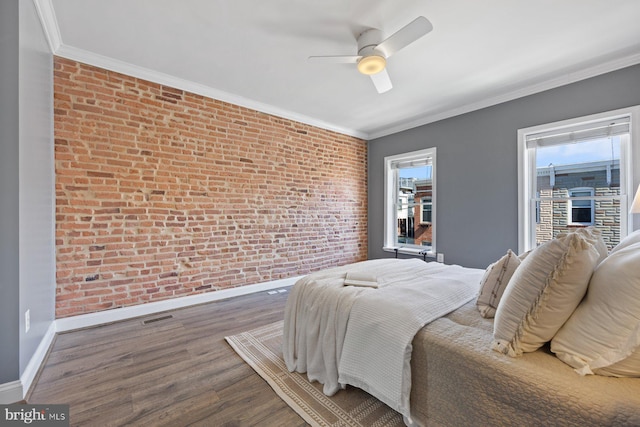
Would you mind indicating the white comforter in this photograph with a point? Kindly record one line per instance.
(361, 336)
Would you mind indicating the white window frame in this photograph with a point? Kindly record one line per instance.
(629, 169)
(391, 196)
(426, 201)
(573, 198)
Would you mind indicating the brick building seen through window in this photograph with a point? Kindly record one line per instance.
(415, 211)
(585, 195)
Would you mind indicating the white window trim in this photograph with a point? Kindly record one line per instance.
(390, 197)
(423, 203)
(572, 198)
(526, 162)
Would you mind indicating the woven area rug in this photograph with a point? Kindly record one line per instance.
(261, 348)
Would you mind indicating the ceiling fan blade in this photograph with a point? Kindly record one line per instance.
(346, 59)
(381, 81)
(405, 36)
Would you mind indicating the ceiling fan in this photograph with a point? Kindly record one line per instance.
(373, 51)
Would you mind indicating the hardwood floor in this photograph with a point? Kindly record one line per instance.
(177, 371)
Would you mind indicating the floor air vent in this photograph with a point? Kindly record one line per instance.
(157, 319)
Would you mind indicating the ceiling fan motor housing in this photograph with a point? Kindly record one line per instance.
(371, 61)
(368, 40)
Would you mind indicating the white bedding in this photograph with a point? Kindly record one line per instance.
(343, 335)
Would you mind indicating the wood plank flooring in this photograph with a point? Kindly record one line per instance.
(172, 372)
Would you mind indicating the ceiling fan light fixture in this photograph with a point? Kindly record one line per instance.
(372, 64)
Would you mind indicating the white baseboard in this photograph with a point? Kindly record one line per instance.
(16, 391)
(11, 392)
(108, 316)
(37, 359)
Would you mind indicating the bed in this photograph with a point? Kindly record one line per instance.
(458, 380)
(361, 336)
(460, 368)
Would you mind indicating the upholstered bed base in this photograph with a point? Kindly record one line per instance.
(457, 380)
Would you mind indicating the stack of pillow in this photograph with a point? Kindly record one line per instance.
(569, 292)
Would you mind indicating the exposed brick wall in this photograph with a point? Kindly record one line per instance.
(162, 193)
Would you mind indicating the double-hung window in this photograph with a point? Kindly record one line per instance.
(410, 198)
(581, 206)
(426, 213)
(578, 173)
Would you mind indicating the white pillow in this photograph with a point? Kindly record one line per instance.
(596, 236)
(603, 334)
(494, 282)
(631, 239)
(523, 255)
(543, 292)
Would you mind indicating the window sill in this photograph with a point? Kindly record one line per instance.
(410, 251)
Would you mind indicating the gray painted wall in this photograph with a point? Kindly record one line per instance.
(9, 148)
(27, 250)
(37, 176)
(477, 212)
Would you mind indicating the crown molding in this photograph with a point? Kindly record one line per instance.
(112, 64)
(49, 23)
(52, 32)
(566, 79)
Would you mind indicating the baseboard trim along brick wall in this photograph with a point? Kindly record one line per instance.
(162, 193)
(17, 390)
(88, 320)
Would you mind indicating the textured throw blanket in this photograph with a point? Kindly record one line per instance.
(362, 336)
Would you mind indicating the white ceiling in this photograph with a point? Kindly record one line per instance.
(254, 52)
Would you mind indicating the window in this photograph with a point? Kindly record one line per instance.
(409, 202)
(578, 173)
(427, 208)
(581, 206)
